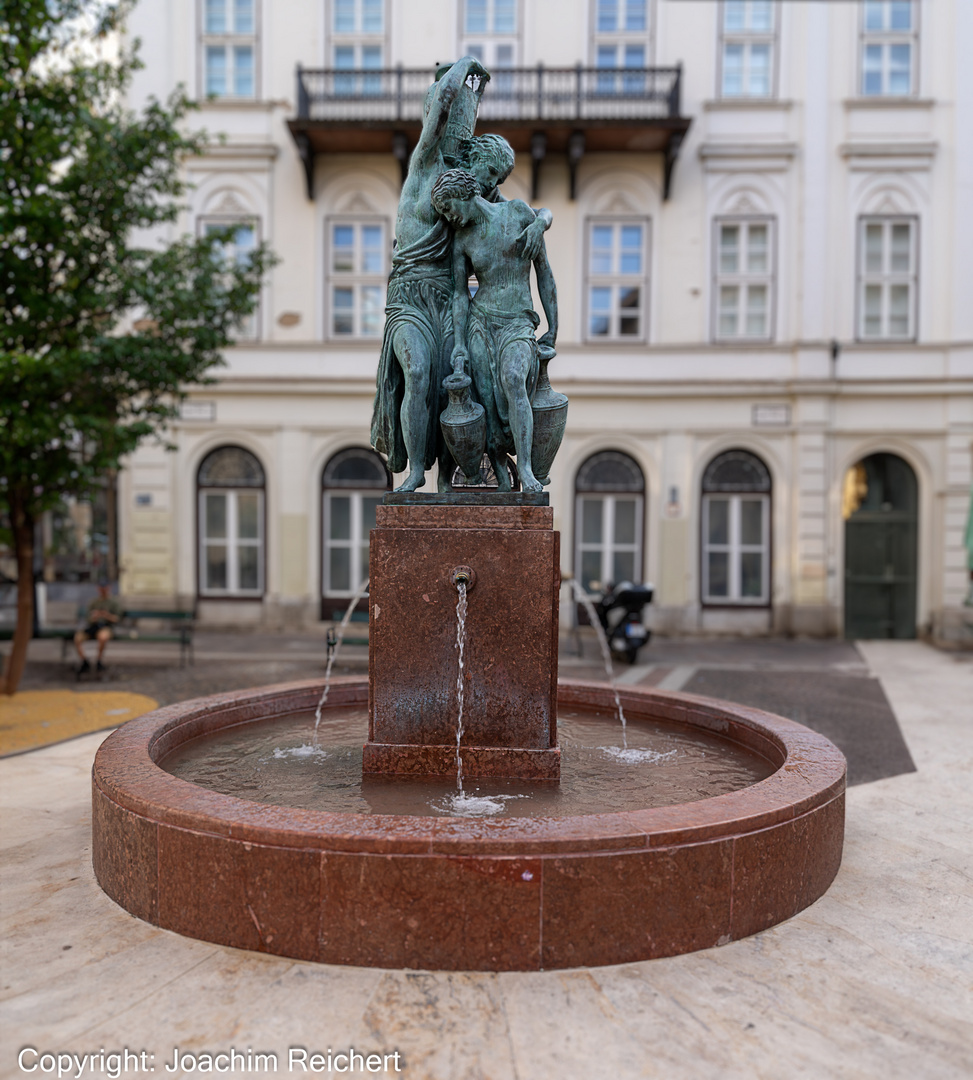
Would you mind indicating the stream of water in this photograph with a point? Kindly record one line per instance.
(460, 646)
(339, 638)
(606, 654)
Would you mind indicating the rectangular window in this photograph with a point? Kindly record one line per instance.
(887, 288)
(618, 264)
(229, 48)
(358, 45)
(609, 544)
(744, 279)
(736, 548)
(491, 33)
(614, 15)
(748, 34)
(491, 17)
(349, 517)
(238, 251)
(622, 46)
(888, 48)
(231, 542)
(357, 272)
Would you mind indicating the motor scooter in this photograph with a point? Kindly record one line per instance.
(619, 611)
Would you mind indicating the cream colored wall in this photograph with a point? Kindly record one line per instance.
(815, 159)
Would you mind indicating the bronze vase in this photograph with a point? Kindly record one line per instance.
(464, 426)
(550, 415)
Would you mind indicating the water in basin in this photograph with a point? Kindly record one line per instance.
(277, 761)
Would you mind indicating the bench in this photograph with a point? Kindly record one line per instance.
(177, 631)
(357, 617)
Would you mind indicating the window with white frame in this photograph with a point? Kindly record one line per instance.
(618, 261)
(744, 279)
(609, 503)
(230, 486)
(491, 33)
(357, 276)
(887, 278)
(237, 250)
(735, 522)
(358, 45)
(353, 483)
(229, 48)
(888, 48)
(622, 45)
(748, 30)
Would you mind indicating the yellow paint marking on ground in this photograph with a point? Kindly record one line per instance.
(37, 718)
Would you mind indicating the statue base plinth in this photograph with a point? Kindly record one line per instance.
(478, 761)
(511, 554)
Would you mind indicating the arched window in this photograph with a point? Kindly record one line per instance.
(353, 483)
(736, 530)
(609, 504)
(231, 523)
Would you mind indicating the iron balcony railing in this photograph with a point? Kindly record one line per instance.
(539, 94)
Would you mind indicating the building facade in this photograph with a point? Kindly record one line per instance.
(763, 246)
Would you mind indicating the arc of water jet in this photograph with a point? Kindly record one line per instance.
(585, 600)
(339, 638)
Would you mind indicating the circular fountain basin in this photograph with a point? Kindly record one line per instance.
(467, 893)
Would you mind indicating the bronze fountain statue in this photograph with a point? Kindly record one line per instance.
(474, 366)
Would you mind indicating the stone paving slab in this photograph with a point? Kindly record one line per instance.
(874, 980)
(852, 711)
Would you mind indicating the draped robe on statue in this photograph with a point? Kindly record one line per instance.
(420, 294)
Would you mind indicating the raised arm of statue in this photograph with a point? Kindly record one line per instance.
(436, 119)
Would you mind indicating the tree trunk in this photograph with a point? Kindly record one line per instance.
(22, 523)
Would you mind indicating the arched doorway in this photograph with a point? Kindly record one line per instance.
(879, 505)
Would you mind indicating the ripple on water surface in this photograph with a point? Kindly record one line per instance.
(277, 761)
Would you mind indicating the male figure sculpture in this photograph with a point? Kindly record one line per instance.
(495, 330)
(418, 337)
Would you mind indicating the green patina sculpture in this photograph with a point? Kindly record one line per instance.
(495, 331)
(424, 293)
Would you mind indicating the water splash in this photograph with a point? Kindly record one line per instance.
(339, 638)
(637, 756)
(460, 646)
(305, 750)
(585, 600)
(463, 804)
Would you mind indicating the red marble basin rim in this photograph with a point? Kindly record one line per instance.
(810, 773)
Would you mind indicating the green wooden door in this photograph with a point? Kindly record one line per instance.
(881, 528)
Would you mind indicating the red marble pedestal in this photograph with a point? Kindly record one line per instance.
(510, 658)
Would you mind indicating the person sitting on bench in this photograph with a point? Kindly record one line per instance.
(103, 612)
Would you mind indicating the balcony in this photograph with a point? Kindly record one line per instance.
(540, 111)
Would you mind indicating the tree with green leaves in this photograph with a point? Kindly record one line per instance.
(103, 328)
